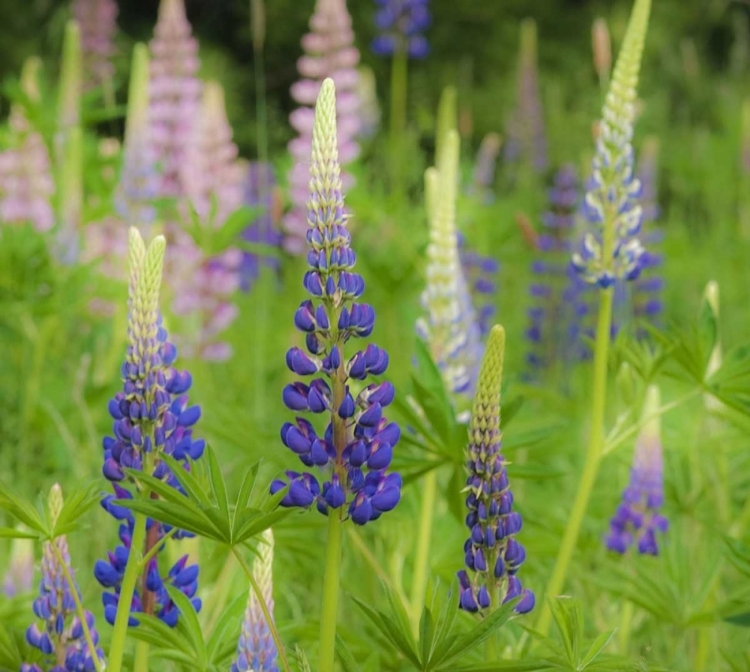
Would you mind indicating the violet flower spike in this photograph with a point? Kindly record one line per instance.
(638, 519)
(98, 22)
(492, 554)
(355, 449)
(329, 51)
(401, 24)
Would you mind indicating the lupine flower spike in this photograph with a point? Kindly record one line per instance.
(26, 183)
(329, 52)
(97, 19)
(19, 576)
(611, 250)
(602, 50)
(402, 24)
(256, 650)
(61, 636)
(527, 140)
(483, 176)
(493, 555)
(450, 326)
(638, 517)
(152, 418)
(355, 448)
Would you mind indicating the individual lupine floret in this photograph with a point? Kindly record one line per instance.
(152, 418)
(256, 650)
(647, 289)
(527, 140)
(356, 447)
(493, 555)
(611, 251)
(556, 314)
(329, 52)
(174, 92)
(26, 183)
(98, 22)
(61, 636)
(401, 24)
(638, 517)
(450, 326)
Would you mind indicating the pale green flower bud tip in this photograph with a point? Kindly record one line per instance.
(711, 296)
(55, 502)
(490, 376)
(136, 249)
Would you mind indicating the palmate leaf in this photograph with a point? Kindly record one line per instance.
(23, 511)
(205, 509)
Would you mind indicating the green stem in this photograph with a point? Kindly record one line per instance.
(141, 657)
(422, 560)
(80, 611)
(399, 87)
(626, 620)
(492, 651)
(132, 572)
(263, 607)
(593, 458)
(329, 611)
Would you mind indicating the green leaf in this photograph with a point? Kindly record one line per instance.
(15, 533)
(596, 648)
(430, 392)
(189, 622)
(216, 479)
(503, 666)
(743, 620)
(22, 510)
(75, 505)
(226, 630)
(348, 663)
(401, 640)
(569, 620)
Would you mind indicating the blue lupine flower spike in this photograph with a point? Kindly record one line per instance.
(638, 517)
(611, 250)
(60, 637)
(492, 553)
(256, 649)
(152, 418)
(355, 447)
(402, 24)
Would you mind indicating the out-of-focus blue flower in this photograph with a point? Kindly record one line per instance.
(638, 517)
(401, 24)
(611, 250)
(481, 274)
(256, 650)
(493, 556)
(60, 637)
(152, 418)
(356, 446)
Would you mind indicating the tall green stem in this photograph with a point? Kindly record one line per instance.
(141, 657)
(593, 456)
(626, 620)
(399, 86)
(132, 571)
(329, 612)
(422, 560)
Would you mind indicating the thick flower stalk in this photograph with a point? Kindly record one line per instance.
(61, 637)
(611, 251)
(152, 418)
(356, 447)
(402, 24)
(492, 553)
(256, 650)
(638, 519)
(260, 192)
(648, 287)
(98, 22)
(450, 326)
(174, 92)
(527, 140)
(557, 312)
(329, 51)
(26, 183)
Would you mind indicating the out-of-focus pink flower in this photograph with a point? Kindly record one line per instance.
(98, 22)
(329, 52)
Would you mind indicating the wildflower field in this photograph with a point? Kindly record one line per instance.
(402, 335)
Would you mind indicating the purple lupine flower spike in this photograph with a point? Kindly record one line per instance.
(329, 52)
(527, 140)
(152, 417)
(481, 273)
(26, 183)
(260, 192)
(98, 22)
(401, 24)
(493, 555)
(60, 637)
(483, 175)
(638, 519)
(174, 91)
(256, 650)
(19, 576)
(648, 287)
(556, 312)
(355, 449)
